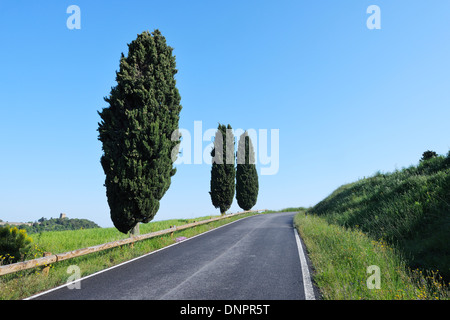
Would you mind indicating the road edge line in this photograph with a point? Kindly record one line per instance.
(307, 283)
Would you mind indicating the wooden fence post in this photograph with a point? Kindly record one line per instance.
(46, 269)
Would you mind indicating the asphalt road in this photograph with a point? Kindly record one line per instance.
(255, 258)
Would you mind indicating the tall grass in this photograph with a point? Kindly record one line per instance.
(341, 258)
(409, 209)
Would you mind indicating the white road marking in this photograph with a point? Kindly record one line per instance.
(307, 284)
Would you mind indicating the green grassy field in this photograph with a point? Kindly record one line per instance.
(25, 283)
(407, 211)
(64, 241)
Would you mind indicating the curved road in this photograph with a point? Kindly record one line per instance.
(256, 258)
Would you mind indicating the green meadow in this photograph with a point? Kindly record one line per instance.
(64, 241)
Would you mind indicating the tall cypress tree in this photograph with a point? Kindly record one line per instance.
(136, 131)
(223, 171)
(247, 185)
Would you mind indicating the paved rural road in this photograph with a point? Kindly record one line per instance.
(255, 258)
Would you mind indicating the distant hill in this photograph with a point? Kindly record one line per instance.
(58, 224)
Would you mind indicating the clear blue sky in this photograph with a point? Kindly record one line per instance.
(348, 101)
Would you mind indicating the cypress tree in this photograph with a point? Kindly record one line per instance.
(136, 130)
(223, 171)
(246, 175)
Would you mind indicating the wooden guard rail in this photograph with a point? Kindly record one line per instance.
(52, 258)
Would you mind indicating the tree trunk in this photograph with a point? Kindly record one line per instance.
(135, 230)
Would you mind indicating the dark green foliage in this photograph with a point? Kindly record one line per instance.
(246, 175)
(223, 171)
(59, 224)
(427, 155)
(432, 165)
(136, 131)
(14, 244)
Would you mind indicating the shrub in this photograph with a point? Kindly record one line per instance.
(427, 155)
(432, 165)
(14, 244)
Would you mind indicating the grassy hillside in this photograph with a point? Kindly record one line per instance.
(344, 260)
(409, 209)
